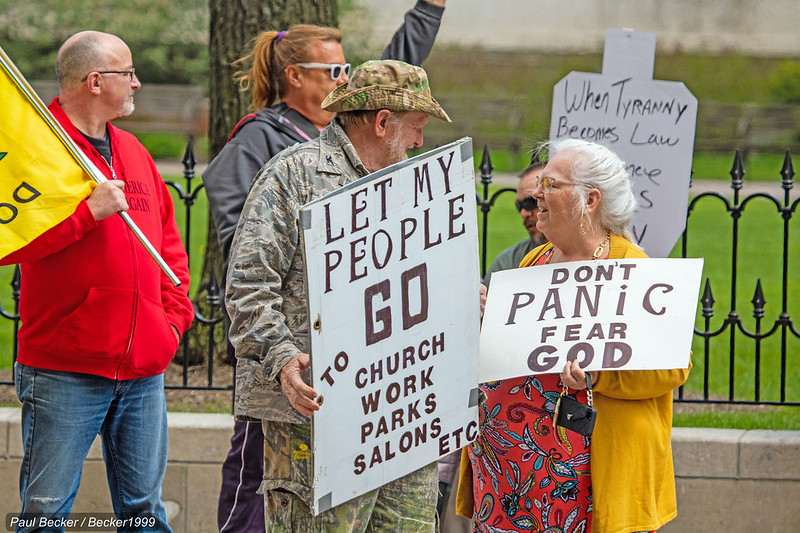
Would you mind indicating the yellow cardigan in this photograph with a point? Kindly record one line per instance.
(633, 482)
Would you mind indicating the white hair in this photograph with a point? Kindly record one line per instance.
(597, 167)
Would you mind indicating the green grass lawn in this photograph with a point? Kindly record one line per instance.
(775, 418)
(760, 258)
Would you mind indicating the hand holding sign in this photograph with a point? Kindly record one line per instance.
(574, 377)
(483, 291)
(301, 396)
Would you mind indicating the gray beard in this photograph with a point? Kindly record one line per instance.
(397, 151)
(127, 110)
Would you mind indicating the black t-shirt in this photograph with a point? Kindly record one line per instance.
(101, 145)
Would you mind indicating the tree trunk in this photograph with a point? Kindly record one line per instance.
(233, 27)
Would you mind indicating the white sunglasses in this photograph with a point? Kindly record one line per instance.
(336, 68)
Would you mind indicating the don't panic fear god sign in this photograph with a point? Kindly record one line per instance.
(613, 314)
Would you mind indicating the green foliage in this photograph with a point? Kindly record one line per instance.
(356, 25)
(730, 77)
(784, 83)
(168, 38)
(504, 99)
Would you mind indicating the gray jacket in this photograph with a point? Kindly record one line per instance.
(256, 139)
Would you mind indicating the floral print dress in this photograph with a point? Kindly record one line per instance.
(528, 475)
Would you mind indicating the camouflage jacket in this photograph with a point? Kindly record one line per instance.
(265, 292)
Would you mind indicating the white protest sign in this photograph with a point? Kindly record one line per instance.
(649, 124)
(393, 297)
(613, 314)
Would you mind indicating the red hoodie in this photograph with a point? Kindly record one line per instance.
(92, 300)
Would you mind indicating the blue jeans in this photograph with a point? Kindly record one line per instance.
(62, 413)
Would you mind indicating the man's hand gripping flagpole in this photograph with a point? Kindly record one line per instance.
(89, 167)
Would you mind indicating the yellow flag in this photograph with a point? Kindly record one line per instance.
(41, 180)
(43, 174)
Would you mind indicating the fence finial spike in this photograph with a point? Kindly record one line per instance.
(707, 300)
(758, 301)
(486, 166)
(787, 172)
(189, 160)
(737, 172)
(213, 289)
(16, 279)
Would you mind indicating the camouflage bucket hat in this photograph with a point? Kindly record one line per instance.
(385, 84)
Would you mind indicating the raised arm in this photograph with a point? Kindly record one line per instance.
(414, 39)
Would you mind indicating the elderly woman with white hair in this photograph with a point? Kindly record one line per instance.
(531, 475)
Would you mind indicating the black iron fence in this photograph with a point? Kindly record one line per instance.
(729, 376)
(782, 329)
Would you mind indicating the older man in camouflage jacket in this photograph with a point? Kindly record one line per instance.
(382, 111)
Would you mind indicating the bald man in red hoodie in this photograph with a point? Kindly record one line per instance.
(100, 321)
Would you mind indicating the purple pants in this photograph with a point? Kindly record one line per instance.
(240, 509)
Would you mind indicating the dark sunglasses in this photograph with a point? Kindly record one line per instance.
(528, 204)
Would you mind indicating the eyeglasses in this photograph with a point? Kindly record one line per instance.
(336, 68)
(130, 73)
(528, 204)
(546, 183)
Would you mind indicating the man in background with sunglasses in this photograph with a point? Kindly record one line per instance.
(528, 210)
(289, 73)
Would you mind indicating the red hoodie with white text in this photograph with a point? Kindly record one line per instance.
(92, 300)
